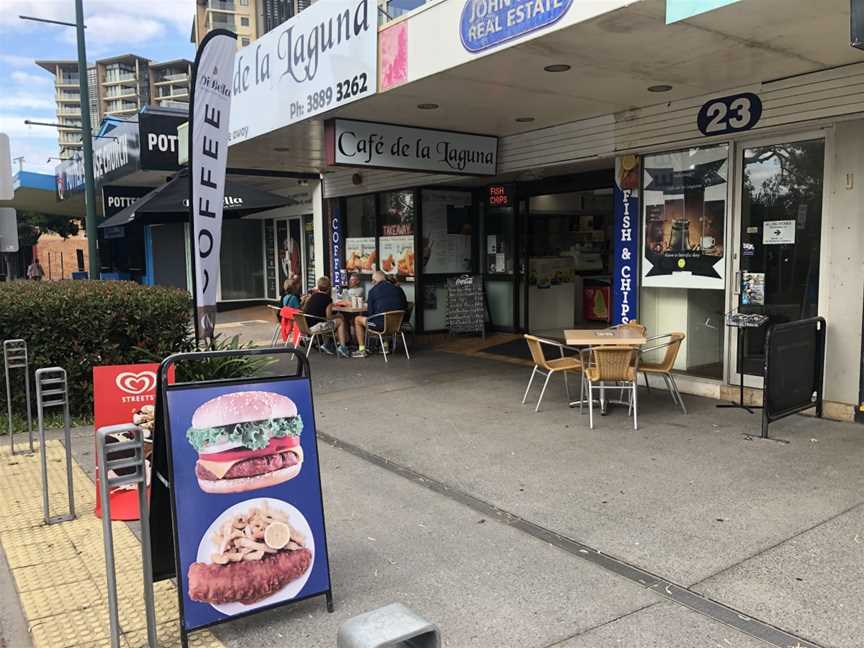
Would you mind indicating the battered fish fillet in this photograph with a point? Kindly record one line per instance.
(247, 581)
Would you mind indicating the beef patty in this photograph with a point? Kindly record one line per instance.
(252, 467)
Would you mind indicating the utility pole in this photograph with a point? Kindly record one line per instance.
(87, 145)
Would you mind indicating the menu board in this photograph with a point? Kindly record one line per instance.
(249, 519)
(360, 254)
(466, 305)
(270, 260)
(447, 228)
(397, 255)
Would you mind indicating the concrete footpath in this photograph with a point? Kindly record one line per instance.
(510, 528)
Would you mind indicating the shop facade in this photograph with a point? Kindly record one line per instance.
(747, 200)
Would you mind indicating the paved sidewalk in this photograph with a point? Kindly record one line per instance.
(509, 528)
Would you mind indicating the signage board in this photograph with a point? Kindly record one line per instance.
(625, 291)
(388, 146)
(124, 394)
(116, 153)
(337, 248)
(7, 191)
(116, 198)
(243, 457)
(159, 140)
(682, 9)
(779, 232)
(323, 58)
(500, 196)
(8, 229)
(487, 23)
(732, 114)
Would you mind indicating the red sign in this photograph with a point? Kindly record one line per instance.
(123, 394)
(499, 196)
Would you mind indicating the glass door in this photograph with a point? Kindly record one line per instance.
(780, 209)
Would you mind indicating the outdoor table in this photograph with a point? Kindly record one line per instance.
(348, 309)
(622, 336)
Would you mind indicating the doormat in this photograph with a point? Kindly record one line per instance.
(513, 349)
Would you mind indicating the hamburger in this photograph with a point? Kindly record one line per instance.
(246, 441)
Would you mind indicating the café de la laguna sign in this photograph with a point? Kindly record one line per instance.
(487, 23)
(388, 146)
(323, 58)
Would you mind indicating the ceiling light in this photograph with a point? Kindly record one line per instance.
(524, 120)
(557, 67)
(660, 88)
(428, 106)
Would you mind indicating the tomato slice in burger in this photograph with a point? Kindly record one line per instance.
(275, 446)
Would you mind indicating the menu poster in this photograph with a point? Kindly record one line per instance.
(684, 219)
(446, 232)
(360, 254)
(397, 255)
(753, 289)
(249, 519)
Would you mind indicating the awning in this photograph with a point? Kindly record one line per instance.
(170, 202)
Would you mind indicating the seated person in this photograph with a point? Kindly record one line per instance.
(319, 305)
(383, 297)
(291, 293)
(355, 287)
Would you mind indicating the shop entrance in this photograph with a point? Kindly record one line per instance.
(779, 213)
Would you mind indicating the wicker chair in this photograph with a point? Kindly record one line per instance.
(548, 368)
(632, 324)
(611, 364)
(392, 328)
(278, 328)
(305, 323)
(664, 367)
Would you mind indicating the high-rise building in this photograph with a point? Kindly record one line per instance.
(249, 19)
(120, 85)
(169, 83)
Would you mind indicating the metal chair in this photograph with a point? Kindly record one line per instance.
(632, 324)
(308, 336)
(549, 367)
(612, 364)
(407, 326)
(392, 328)
(664, 367)
(278, 328)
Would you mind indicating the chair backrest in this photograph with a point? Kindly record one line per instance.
(276, 311)
(615, 363)
(392, 322)
(636, 325)
(536, 349)
(674, 346)
(409, 310)
(302, 324)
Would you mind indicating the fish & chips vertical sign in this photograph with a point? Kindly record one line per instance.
(324, 57)
(208, 156)
(625, 290)
(487, 23)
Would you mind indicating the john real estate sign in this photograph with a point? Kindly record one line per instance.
(388, 146)
(323, 58)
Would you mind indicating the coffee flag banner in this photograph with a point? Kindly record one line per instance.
(208, 155)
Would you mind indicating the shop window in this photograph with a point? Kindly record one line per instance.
(244, 21)
(242, 260)
(396, 243)
(360, 254)
(244, 41)
(684, 207)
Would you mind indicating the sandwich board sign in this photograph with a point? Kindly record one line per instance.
(241, 465)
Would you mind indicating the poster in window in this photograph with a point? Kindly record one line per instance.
(447, 229)
(397, 255)
(684, 219)
(360, 254)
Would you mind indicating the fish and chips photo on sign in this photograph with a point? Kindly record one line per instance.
(247, 493)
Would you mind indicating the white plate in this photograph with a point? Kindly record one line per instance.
(207, 548)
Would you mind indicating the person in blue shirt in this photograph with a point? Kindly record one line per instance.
(291, 296)
(383, 297)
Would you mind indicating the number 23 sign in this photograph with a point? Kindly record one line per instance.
(730, 114)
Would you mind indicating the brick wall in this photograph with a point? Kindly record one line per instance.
(58, 256)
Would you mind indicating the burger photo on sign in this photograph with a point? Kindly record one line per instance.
(246, 441)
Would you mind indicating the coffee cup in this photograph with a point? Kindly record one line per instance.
(708, 242)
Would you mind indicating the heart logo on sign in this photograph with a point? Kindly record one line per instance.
(136, 383)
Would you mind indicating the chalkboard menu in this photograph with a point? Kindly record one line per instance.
(269, 243)
(466, 310)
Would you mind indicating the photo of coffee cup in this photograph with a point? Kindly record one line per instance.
(708, 242)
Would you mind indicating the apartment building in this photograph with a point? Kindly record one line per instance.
(249, 19)
(120, 85)
(169, 83)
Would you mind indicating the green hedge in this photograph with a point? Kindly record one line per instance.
(81, 324)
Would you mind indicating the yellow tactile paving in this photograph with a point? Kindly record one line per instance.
(59, 570)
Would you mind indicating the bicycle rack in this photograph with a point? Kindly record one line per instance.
(15, 357)
(122, 463)
(51, 383)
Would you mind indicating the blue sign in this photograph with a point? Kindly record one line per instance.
(487, 23)
(247, 496)
(731, 114)
(625, 289)
(337, 248)
(682, 9)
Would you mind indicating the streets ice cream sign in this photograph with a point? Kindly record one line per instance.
(487, 23)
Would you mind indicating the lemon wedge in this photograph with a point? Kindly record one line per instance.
(277, 535)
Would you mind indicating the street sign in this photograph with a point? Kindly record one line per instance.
(7, 191)
(8, 230)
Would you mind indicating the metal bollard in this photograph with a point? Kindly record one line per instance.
(51, 384)
(391, 626)
(15, 357)
(126, 456)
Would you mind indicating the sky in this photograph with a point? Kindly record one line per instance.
(155, 29)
